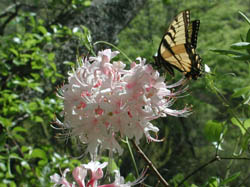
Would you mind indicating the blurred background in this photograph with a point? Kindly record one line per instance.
(40, 42)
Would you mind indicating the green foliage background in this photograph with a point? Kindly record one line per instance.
(32, 66)
(186, 147)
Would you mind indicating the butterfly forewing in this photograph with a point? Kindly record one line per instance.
(177, 31)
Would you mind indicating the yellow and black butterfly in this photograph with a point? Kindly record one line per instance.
(177, 47)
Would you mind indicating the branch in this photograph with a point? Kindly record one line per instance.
(151, 165)
(8, 12)
(216, 158)
(11, 15)
(234, 158)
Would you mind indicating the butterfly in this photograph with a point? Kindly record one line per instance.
(177, 47)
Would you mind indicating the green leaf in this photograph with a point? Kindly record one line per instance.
(240, 92)
(51, 56)
(36, 76)
(56, 156)
(227, 52)
(167, 2)
(18, 82)
(8, 183)
(238, 124)
(214, 182)
(17, 62)
(245, 17)
(38, 119)
(30, 43)
(14, 51)
(243, 126)
(72, 64)
(25, 149)
(112, 164)
(3, 166)
(19, 137)
(247, 100)
(87, 3)
(213, 130)
(38, 153)
(19, 129)
(244, 141)
(242, 57)
(15, 156)
(16, 133)
(3, 139)
(130, 177)
(247, 123)
(25, 56)
(193, 185)
(36, 65)
(38, 89)
(248, 36)
(53, 65)
(33, 106)
(241, 45)
(18, 169)
(5, 122)
(231, 178)
(177, 179)
(42, 29)
(42, 162)
(25, 165)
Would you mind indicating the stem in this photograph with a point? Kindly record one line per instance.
(231, 161)
(107, 43)
(220, 141)
(163, 181)
(198, 169)
(132, 156)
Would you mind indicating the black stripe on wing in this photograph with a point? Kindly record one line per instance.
(193, 29)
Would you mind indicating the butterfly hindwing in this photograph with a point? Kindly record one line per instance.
(193, 29)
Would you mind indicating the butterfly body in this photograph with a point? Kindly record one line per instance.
(177, 47)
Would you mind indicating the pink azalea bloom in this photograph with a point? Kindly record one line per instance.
(103, 101)
(61, 180)
(95, 168)
(120, 182)
(79, 174)
(96, 171)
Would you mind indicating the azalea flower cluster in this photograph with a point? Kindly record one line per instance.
(103, 101)
(80, 174)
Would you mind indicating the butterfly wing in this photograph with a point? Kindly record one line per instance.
(177, 48)
(193, 29)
